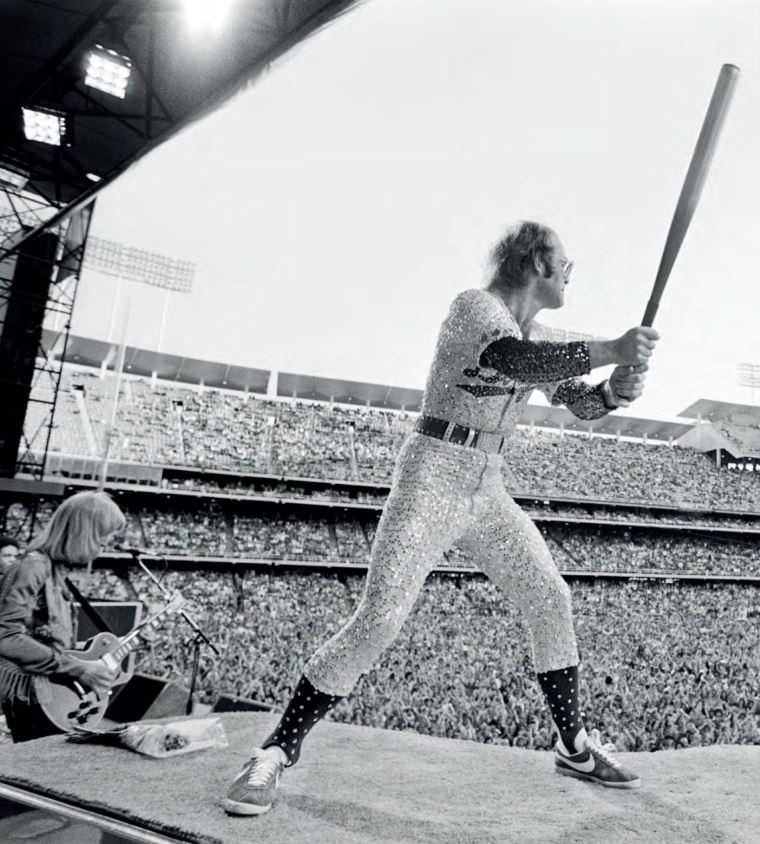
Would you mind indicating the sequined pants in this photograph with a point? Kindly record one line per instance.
(441, 495)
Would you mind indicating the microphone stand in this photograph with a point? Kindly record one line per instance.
(199, 638)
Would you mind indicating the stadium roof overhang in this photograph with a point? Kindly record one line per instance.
(84, 351)
(612, 424)
(177, 75)
(316, 388)
(737, 426)
(716, 411)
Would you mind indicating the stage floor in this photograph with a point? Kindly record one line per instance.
(371, 786)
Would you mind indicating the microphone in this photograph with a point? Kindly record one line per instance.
(139, 552)
(189, 619)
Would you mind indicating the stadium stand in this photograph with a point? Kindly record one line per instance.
(222, 430)
(265, 508)
(210, 531)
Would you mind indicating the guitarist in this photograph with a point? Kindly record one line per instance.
(36, 619)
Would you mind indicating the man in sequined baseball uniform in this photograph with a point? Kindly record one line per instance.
(448, 489)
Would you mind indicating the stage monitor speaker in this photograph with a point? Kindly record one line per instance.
(144, 696)
(120, 616)
(230, 703)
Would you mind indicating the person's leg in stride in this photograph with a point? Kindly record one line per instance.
(428, 508)
(510, 550)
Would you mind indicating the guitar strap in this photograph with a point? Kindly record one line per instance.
(95, 617)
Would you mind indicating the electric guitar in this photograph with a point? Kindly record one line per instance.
(70, 705)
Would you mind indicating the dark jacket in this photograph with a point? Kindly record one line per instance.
(36, 624)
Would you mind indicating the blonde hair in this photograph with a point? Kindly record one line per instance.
(76, 530)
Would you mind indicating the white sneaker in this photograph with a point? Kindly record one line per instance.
(595, 763)
(253, 789)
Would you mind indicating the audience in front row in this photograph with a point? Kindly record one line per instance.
(681, 669)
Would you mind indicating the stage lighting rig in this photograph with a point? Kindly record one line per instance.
(205, 15)
(46, 126)
(15, 179)
(108, 71)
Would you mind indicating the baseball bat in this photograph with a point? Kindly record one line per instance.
(693, 183)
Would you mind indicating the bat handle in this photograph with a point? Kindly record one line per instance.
(650, 312)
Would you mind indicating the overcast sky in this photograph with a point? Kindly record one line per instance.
(335, 208)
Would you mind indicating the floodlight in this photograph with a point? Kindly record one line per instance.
(139, 265)
(108, 71)
(44, 125)
(749, 374)
(205, 14)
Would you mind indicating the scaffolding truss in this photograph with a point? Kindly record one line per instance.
(48, 184)
(39, 422)
(171, 83)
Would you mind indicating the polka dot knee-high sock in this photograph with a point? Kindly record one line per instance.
(307, 706)
(560, 688)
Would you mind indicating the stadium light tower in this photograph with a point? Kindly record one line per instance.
(151, 268)
(749, 376)
(130, 264)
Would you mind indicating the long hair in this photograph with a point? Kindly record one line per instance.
(76, 530)
(514, 255)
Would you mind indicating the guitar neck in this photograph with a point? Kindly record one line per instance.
(130, 642)
(125, 647)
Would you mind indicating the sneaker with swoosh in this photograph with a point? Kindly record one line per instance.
(253, 789)
(595, 763)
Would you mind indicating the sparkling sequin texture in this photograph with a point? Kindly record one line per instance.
(586, 401)
(484, 370)
(531, 361)
(444, 494)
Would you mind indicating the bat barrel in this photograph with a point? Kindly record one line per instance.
(694, 181)
(711, 128)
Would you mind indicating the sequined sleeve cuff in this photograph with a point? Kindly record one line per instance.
(586, 401)
(537, 362)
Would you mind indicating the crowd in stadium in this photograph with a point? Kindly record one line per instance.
(280, 490)
(667, 663)
(664, 665)
(545, 463)
(644, 550)
(284, 535)
(280, 533)
(554, 510)
(287, 490)
(216, 429)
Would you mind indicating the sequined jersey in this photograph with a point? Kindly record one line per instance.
(484, 369)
